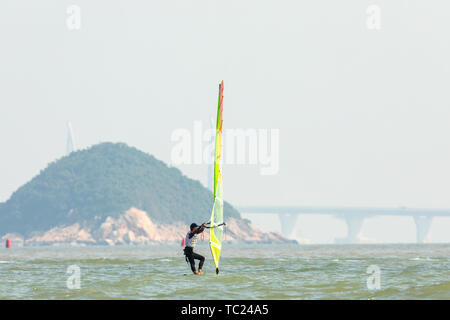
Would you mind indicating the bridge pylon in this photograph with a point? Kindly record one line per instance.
(423, 224)
(354, 224)
(288, 222)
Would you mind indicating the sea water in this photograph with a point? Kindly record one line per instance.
(288, 271)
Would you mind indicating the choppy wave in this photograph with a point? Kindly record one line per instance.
(247, 272)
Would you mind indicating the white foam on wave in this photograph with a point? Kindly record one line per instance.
(423, 259)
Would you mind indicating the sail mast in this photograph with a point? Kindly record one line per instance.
(217, 223)
(218, 147)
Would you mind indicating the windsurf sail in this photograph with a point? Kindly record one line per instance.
(216, 222)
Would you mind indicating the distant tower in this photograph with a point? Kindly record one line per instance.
(210, 175)
(70, 139)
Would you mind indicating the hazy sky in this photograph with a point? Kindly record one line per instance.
(363, 115)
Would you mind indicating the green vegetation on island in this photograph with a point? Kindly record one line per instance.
(106, 180)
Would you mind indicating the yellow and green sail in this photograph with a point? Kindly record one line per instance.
(216, 233)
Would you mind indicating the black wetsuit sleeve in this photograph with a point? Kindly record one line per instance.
(199, 230)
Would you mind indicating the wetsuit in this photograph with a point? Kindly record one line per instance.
(191, 240)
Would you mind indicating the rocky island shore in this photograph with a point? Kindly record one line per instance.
(114, 194)
(135, 227)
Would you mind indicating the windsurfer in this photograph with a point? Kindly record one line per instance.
(191, 240)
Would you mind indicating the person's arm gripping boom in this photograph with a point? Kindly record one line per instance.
(198, 230)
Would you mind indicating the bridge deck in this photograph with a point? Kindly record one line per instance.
(367, 211)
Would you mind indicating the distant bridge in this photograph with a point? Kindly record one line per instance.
(353, 216)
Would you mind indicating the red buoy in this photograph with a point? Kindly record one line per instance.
(8, 243)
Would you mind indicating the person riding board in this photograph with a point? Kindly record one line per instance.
(191, 240)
